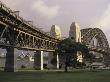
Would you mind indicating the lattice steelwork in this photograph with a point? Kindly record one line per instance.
(17, 32)
(89, 33)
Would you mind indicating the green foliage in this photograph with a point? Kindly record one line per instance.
(68, 46)
(83, 48)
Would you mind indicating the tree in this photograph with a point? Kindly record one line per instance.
(66, 48)
(69, 48)
(84, 49)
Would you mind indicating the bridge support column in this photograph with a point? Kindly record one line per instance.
(10, 60)
(57, 61)
(38, 60)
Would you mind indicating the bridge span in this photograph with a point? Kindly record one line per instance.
(15, 32)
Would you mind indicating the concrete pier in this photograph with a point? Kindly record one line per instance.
(10, 60)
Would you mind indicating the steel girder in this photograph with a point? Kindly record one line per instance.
(89, 33)
(15, 31)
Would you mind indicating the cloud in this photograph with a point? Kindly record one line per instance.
(104, 22)
(44, 10)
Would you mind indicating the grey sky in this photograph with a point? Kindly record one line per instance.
(45, 13)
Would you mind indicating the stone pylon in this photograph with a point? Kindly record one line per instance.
(75, 35)
(56, 33)
(75, 32)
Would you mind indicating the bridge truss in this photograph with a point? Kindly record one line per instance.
(19, 33)
(89, 33)
(102, 46)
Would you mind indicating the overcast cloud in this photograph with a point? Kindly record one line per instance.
(49, 12)
(104, 19)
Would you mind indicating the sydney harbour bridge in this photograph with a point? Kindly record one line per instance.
(17, 33)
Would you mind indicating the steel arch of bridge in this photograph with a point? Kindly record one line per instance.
(89, 33)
